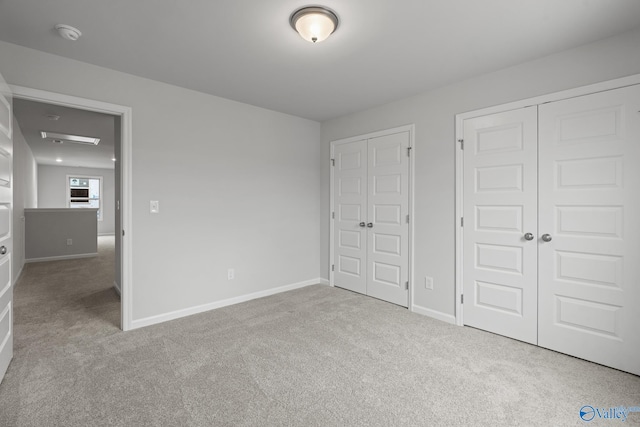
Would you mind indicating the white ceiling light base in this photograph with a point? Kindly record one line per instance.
(314, 23)
(68, 32)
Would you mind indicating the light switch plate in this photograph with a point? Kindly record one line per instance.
(428, 283)
(154, 206)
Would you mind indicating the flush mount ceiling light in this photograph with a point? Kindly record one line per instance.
(85, 140)
(68, 32)
(314, 23)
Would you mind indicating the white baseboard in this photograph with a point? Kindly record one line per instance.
(152, 320)
(324, 282)
(117, 288)
(62, 257)
(106, 234)
(438, 315)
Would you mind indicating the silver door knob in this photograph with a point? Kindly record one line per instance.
(370, 225)
(528, 236)
(362, 224)
(546, 237)
(3, 250)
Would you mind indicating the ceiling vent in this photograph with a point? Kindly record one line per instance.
(76, 139)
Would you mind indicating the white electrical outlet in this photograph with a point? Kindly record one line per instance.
(231, 274)
(428, 283)
(69, 242)
(154, 206)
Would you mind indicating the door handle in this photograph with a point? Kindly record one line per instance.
(3, 250)
(362, 224)
(546, 237)
(370, 225)
(528, 236)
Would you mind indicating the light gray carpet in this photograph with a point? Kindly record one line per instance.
(317, 356)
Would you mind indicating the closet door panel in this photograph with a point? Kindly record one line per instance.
(388, 207)
(350, 193)
(589, 275)
(500, 208)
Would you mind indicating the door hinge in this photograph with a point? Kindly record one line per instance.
(461, 141)
(333, 162)
(461, 221)
(406, 286)
(409, 151)
(461, 298)
(123, 232)
(333, 267)
(333, 215)
(407, 219)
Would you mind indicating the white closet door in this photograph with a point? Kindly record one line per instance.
(500, 208)
(590, 207)
(388, 229)
(6, 235)
(350, 204)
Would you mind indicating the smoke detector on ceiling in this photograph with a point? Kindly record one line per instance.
(68, 32)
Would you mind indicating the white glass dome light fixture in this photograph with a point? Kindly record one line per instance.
(314, 23)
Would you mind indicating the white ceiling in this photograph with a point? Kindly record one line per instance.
(245, 50)
(32, 118)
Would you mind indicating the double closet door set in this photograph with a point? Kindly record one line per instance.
(370, 215)
(551, 225)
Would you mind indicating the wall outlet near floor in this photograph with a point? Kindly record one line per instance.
(231, 274)
(69, 242)
(428, 283)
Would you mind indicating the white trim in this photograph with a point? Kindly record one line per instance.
(552, 97)
(438, 315)
(459, 134)
(411, 128)
(19, 274)
(106, 234)
(160, 318)
(117, 288)
(126, 115)
(61, 257)
(324, 282)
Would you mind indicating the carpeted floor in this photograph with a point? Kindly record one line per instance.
(317, 356)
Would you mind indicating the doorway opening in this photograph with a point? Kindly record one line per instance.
(119, 161)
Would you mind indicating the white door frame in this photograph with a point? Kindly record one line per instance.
(459, 134)
(406, 128)
(126, 308)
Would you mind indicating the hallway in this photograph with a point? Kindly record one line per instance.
(54, 299)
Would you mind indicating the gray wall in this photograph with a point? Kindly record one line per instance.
(47, 232)
(433, 114)
(52, 191)
(25, 194)
(238, 185)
